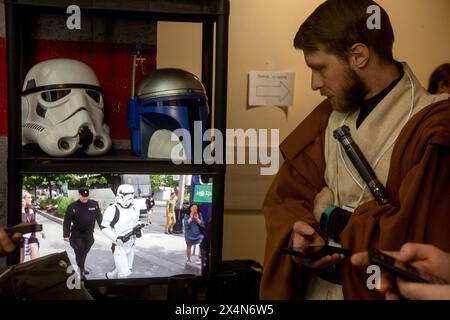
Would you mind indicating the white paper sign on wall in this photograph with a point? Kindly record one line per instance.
(271, 88)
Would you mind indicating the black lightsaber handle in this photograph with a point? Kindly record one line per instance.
(342, 134)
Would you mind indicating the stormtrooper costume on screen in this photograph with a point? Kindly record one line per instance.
(119, 219)
(62, 109)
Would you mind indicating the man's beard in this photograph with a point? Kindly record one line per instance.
(352, 94)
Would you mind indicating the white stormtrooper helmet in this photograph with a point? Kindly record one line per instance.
(125, 195)
(62, 109)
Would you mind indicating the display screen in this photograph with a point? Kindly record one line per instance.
(155, 227)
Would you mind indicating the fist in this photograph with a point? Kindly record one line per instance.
(119, 242)
(304, 235)
(322, 200)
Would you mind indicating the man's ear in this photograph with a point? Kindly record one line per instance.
(358, 56)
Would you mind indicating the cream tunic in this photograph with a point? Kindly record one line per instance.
(376, 138)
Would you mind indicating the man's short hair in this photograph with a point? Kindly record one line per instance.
(338, 24)
(84, 191)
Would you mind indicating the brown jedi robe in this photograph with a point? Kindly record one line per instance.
(418, 182)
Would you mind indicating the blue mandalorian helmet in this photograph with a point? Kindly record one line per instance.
(166, 100)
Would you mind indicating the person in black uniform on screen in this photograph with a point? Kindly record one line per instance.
(78, 228)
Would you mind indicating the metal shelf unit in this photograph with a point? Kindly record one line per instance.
(212, 14)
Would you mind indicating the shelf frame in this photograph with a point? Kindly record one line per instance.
(212, 14)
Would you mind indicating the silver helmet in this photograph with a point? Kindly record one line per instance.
(167, 100)
(62, 109)
(170, 82)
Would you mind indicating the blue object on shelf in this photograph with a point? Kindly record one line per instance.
(167, 100)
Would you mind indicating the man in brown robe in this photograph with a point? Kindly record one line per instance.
(402, 130)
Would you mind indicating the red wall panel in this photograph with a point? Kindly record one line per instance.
(111, 62)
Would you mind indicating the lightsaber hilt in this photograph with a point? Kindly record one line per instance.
(342, 134)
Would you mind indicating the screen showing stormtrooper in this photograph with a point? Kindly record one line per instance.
(121, 225)
(124, 226)
(62, 109)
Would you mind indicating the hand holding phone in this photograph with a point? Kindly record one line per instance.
(315, 252)
(401, 269)
(303, 234)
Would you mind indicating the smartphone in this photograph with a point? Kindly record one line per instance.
(401, 269)
(24, 228)
(315, 252)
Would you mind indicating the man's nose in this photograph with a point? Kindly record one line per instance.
(316, 81)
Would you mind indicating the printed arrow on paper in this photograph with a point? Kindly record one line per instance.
(280, 91)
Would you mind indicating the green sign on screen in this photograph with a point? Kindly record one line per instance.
(203, 193)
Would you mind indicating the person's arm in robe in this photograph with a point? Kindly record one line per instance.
(419, 210)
